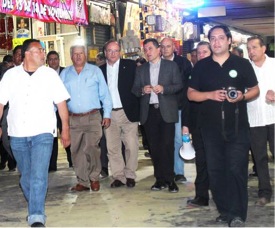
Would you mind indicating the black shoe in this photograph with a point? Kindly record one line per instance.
(221, 219)
(172, 187)
(12, 169)
(253, 174)
(236, 222)
(71, 165)
(198, 202)
(117, 184)
(159, 185)
(180, 179)
(37, 224)
(130, 183)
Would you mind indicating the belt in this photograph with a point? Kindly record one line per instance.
(84, 113)
(116, 109)
(156, 106)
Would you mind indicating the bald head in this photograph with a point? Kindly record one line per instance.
(167, 48)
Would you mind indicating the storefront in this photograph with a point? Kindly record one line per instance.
(55, 22)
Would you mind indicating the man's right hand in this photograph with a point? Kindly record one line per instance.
(106, 122)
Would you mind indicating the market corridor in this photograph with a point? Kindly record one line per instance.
(122, 207)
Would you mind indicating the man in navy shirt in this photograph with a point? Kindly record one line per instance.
(223, 83)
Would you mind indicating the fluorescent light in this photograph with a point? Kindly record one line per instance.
(185, 4)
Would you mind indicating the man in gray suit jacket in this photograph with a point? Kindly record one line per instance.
(156, 83)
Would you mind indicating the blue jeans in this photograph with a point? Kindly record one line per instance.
(178, 161)
(33, 157)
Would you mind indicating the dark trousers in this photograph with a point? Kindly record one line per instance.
(227, 165)
(53, 162)
(201, 181)
(6, 157)
(160, 136)
(259, 138)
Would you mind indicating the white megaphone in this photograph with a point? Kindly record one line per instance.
(187, 151)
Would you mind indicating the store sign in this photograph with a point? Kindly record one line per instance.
(61, 11)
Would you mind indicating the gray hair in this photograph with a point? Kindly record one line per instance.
(78, 46)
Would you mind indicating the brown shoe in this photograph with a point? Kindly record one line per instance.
(79, 188)
(262, 201)
(95, 186)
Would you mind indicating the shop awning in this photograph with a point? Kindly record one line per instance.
(60, 11)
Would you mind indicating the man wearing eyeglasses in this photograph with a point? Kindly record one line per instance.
(32, 89)
(120, 74)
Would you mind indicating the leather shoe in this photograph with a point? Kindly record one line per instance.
(221, 219)
(197, 202)
(95, 186)
(80, 188)
(130, 183)
(117, 184)
(262, 201)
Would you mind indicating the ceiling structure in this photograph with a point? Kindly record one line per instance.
(251, 16)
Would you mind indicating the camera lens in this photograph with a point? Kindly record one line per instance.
(232, 94)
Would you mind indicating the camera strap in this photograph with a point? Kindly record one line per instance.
(236, 121)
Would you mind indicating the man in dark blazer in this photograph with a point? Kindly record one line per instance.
(54, 62)
(167, 47)
(157, 83)
(120, 75)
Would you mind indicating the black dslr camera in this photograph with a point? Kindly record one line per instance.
(232, 92)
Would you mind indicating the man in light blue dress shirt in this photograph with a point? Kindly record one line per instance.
(89, 93)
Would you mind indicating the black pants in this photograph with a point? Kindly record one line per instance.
(6, 157)
(201, 181)
(227, 165)
(53, 161)
(161, 136)
(259, 138)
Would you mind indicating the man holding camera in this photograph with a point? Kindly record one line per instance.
(223, 83)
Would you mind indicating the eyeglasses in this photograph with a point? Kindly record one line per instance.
(38, 50)
(109, 51)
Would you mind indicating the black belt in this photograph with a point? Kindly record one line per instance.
(116, 109)
(156, 106)
(84, 113)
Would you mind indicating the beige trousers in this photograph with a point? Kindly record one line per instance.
(122, 130)
(86, 132)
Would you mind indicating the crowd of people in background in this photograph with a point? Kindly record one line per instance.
(223, 100)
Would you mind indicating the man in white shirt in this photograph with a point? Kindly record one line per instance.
(32, 89)
(119, 75)
(261, 114)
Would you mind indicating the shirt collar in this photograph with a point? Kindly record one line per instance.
(172, 58)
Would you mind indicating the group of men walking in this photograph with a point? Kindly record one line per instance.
(165, 95)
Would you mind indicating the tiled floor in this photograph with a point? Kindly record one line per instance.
(123, 207)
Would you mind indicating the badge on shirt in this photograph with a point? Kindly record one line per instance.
(233, 73)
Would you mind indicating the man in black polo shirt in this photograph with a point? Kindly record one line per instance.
(224, 123)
